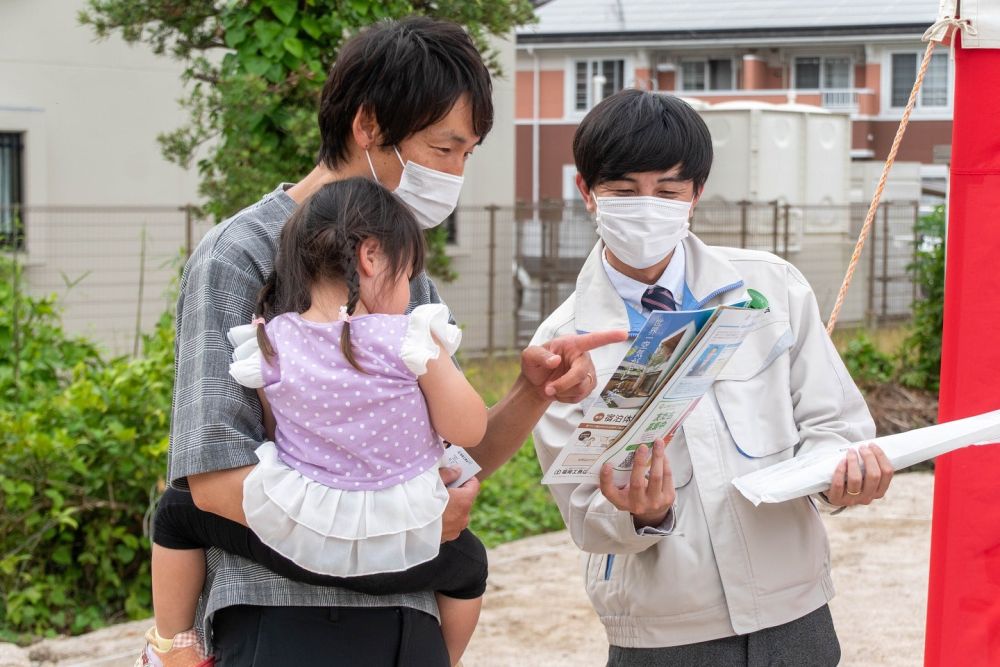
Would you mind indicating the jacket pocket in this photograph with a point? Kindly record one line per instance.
(605, 584)
(679, 459)
(754, 393)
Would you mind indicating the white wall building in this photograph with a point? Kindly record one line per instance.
(78, 126)
(80, 163)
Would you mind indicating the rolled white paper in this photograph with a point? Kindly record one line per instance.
(811, 473)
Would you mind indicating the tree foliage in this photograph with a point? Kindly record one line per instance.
(255, 69)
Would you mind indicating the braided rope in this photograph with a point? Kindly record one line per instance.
(877, 197)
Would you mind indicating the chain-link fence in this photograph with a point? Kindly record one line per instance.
(552, 242)
(114, 268)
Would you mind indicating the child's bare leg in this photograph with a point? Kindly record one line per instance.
(178, 577)
(458, 622)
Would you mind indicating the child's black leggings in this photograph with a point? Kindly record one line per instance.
(458, 571)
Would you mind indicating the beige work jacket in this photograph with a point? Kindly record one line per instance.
(722, 566)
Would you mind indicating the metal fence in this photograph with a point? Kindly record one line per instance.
(114, 268)
(552, 242)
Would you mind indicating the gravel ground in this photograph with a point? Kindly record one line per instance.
(536, 611)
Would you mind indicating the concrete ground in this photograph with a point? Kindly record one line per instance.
(536, 611)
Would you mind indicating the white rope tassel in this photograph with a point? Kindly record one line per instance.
(941, 28)
(947, 24)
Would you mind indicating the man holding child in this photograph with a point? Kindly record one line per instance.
(680, 569)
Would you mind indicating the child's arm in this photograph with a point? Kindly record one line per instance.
(458, 414)
(269, 423)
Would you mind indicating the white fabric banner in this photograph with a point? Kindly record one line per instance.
(984, 15)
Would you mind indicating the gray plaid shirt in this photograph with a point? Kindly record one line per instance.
(217, 424)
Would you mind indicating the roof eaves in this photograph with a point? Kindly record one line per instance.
(755, 33)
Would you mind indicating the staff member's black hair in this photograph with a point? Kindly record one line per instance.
(634, 131)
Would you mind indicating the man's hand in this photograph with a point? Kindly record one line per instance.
(850, 487)
(647, 499)
(456, 513)
(561, 369)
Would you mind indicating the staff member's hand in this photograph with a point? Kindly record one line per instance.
(852, 487)
(561, 369)
(647, 498)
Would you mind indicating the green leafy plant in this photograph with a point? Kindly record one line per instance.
(920, 354)
(512, 503)
(866, 363)
(438, 261)
(35, 353)
(82, 445)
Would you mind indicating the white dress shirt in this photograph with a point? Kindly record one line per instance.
(631, 290)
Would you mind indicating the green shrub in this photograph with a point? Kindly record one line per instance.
(866, 363)
(513, 503)
(920, 356)
(80, 455)
(82, 452)
(35, 353)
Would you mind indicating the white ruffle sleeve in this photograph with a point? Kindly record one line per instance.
(247, 358)
(426, 323)
(339, 532)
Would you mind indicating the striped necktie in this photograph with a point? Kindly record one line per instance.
(658, 298)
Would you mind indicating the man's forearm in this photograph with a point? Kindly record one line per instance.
(508, 425)
(220, 492)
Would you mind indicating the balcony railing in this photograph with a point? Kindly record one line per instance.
(840, 99)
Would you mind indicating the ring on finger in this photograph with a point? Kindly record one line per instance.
(591, 378)
(853, 493)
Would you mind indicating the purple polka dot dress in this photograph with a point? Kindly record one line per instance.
(350, 484)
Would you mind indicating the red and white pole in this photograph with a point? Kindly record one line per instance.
(963, 606)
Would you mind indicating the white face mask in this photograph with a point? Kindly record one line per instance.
(430, 195)
(641, 231)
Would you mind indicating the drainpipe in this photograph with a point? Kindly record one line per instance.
(535, 107)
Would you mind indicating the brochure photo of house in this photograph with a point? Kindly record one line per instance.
(642, 370)
(671, 363)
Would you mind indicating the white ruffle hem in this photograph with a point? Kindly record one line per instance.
(343, 533)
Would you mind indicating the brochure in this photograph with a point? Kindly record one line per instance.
(812, 472)
(668, 368)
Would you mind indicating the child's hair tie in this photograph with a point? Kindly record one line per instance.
(257, 321)
(344, 317)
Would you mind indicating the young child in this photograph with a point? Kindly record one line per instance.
(357, 397)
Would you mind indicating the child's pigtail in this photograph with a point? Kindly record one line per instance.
(266, 299)
(353, 295)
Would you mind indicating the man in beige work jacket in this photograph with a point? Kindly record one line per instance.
(681, 569)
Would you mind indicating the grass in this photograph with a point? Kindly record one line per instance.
(886, 339)
(513, 503)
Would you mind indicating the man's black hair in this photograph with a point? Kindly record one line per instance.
(634, 131)
(409, 74)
